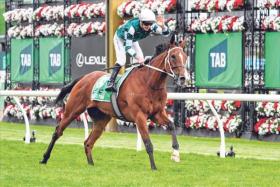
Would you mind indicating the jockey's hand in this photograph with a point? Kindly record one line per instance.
(140, 60)
(160, 20)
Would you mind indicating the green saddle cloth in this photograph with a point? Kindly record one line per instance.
(99, 93)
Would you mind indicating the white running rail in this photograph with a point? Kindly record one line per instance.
(18, 93)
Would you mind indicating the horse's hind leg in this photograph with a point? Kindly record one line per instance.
(100, 121)
(69, 115)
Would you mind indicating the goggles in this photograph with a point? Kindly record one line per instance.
(147, 23)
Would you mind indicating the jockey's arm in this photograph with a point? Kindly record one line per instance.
(164, 30)
(128, 36)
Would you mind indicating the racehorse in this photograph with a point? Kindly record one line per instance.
(142, 96)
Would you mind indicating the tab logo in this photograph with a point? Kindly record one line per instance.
(55, 59)
(25, 59)
(217, 60)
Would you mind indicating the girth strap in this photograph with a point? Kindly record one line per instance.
(116, 107)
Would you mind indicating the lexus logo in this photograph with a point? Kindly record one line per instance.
(82, 60)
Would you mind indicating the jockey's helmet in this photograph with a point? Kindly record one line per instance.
(147, 16)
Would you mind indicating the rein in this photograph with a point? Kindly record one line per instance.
(166, 61)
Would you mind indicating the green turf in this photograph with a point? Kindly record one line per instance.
(19, 165)
(115, 166)
(2, 22)
(244, 148)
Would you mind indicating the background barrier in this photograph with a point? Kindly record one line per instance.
(229, 49)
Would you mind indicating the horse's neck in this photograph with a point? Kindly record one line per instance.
(156, 80)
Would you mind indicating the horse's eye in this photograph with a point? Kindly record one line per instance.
(173, 57)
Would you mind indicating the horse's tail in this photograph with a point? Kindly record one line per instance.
(66, 89)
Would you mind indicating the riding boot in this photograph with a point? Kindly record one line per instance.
(111, 84)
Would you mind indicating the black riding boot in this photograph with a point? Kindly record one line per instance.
(111, 84)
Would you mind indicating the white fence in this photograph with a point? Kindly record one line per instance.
(176, 96)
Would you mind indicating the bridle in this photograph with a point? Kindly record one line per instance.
(167, 63)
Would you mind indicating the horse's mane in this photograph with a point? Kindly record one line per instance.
(160, 48)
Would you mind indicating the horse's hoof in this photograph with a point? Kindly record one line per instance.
(91, 164)
(90, 161)
(154, 168)
(43, 162)
(175, 156)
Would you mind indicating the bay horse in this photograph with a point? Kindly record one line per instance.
(142, 96)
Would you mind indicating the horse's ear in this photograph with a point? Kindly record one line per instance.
(183, 43)
(172, 39)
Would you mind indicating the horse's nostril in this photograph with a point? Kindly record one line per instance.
(182, 79)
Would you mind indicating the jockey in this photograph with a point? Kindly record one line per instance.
(127, 36)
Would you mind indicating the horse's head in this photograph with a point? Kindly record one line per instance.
(175, 62)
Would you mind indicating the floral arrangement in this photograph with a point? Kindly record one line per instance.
(268, 4)
(268, 109)
(230, 123)
(48, 13)
(216, 5)
(77, 30)
(267, 126)
(82, 10)
(217, 24)
(132, 8)
(171, 24)
(268, 118)
(200, 117)
(200, 106)
(50, 30)
(36, 108)
(271, 23)
(18, 15)
(20, 31)
(86, 10)
(12, 111)
(34, 111)
(55, 29)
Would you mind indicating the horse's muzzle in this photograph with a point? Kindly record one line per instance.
(181, 81)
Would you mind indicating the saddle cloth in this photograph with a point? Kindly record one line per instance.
(99, 93)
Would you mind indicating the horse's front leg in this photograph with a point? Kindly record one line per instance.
(175, 145)
(141, 120)
(162, 119)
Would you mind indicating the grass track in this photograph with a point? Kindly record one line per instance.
(125, 167)
(206, 146)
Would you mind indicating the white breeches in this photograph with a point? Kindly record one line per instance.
(120, 50)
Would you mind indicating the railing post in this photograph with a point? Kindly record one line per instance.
(26, 121)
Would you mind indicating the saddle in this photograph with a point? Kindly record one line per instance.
(99, 92)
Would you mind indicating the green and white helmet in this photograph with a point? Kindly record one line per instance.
(147, 15)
